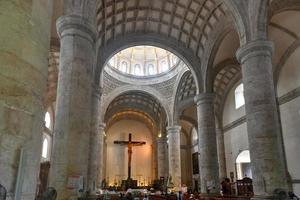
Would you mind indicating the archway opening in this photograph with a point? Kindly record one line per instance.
(243, 165)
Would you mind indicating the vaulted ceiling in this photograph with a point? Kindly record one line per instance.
(136, 105)
(187, 21)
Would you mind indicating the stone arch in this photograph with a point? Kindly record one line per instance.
(238, 10)
(129, 88)
(152, 39)
(212, 50)
(284, 58)
(278, 6)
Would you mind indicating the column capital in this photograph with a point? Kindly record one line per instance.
(162, 140)
(255, 48)
(175, 128)
(204, 98)
(76, 25)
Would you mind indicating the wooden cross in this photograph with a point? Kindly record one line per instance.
(129, 145)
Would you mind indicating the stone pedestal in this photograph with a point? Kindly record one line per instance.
(174, 155)
(73, 105)
(162, 158)
(24, 49)
(95, 142)
(266, 151)
(208, 159)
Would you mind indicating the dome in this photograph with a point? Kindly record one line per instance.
(143, 61)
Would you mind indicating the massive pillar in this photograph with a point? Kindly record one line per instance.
(221, 151)
(101, 155)
(95, 142)
(162, 157)
(208, 159)
(74, 96)
(266, 150)
(174, 155)
(24, 50)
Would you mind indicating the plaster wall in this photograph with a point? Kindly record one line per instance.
(117, 156)
(25, 39)
(289, 80)
(230, 113)
(235, 140)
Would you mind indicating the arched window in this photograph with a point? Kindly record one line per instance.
(137, 70)
(48, 120)
(151, 69)
(194, 136)
(164, 66)
(45, 148)
(124, 67)
(239, 96)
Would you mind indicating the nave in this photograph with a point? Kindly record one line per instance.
(98, 97)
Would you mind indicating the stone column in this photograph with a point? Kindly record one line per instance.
(101, 155)
(221, 152)
(74, 100)
(266, 151)
(104, 175)
(24, 49)
(154, 164)
(174, 154)
(208, 159)
(95, 142)
(162, 157)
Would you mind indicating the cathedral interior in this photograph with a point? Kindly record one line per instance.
(94, 93)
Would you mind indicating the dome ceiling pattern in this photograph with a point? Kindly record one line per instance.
(143, 61)
(186, 21)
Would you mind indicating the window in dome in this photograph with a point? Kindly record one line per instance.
(111, 62)
(164, 66)
(124, 67)
(137, 70)
(45, 148)
(174, 59)
(48, 120)
(239, 96)
(151, 69)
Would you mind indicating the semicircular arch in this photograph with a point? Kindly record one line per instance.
(151, 39)
(131, 88)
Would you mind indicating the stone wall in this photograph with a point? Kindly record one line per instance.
(24, 50)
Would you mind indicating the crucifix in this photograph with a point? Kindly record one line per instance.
(129, 145)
